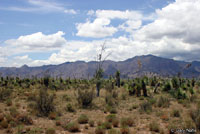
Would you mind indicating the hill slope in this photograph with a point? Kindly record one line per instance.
(150, 65)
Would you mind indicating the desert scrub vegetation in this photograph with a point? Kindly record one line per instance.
(85, 96)
(124, 106)
(44, 102)
(83, 119)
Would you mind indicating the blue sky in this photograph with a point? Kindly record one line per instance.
(39, 32)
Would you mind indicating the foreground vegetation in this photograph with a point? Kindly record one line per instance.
(132, 106)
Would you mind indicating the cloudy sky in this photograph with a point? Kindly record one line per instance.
(40, 32)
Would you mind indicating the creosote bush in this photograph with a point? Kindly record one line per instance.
(163, 102)
(50, 131)
(146, 107)
(127, 121)
(111, 117)
(44, 103)
(70, 108)
(100, 130)
(72, 127)
(83, 119)
(85, 97)
(91, 123)
(154, 126)
(5, 93)
(113, 131)
(175, 113)
(124, 130)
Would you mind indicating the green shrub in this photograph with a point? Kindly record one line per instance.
(91, 123)
(13, 111)
(154, 126)
(85, 97)
(4, 124)
(9, 102)
(134, 106)
(125, 130)
(44, 103)
(113, 110)
(83, 119)
(152, 100)
(5, 93)
(50, 131)
(110, 117)
(115, 122)
(106, 125)
(128, 121)
(100, 130)
(195, 115)
(146, 107)
(163, 102)
(175, 113)
(72, 127)
(113, 131)
(109, 100)
(69, 108)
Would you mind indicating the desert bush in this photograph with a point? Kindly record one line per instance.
(128, 121)
(91, 123)
(115, 122)
(44, 103)
(175, 113)
(195, 115)
(5, 93)
(70, 108)
(110, 101)
(124, 130)
(13, 111)
(66, 97)
(4, 124)
(113, 131)
(83, 119)
(85, 97)
(146, 107)
(189, 124)
(72, 127)
(9, 102)
(152, 100)
(163, 102)
(50, 131)
(52, 115)
(106, 125)
(154, 126)
(113, 110)
(100, 130)
(110, 117)
(25, 119)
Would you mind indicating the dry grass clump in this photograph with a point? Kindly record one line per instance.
(83, 119)
(72, 127)
(154, 126)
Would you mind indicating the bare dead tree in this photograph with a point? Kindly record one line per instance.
(99, 67)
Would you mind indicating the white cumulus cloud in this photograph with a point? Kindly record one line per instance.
(37, 42)
(97, 29)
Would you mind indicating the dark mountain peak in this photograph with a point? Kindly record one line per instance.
(24, 66)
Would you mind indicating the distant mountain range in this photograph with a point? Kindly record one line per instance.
(134, 67)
